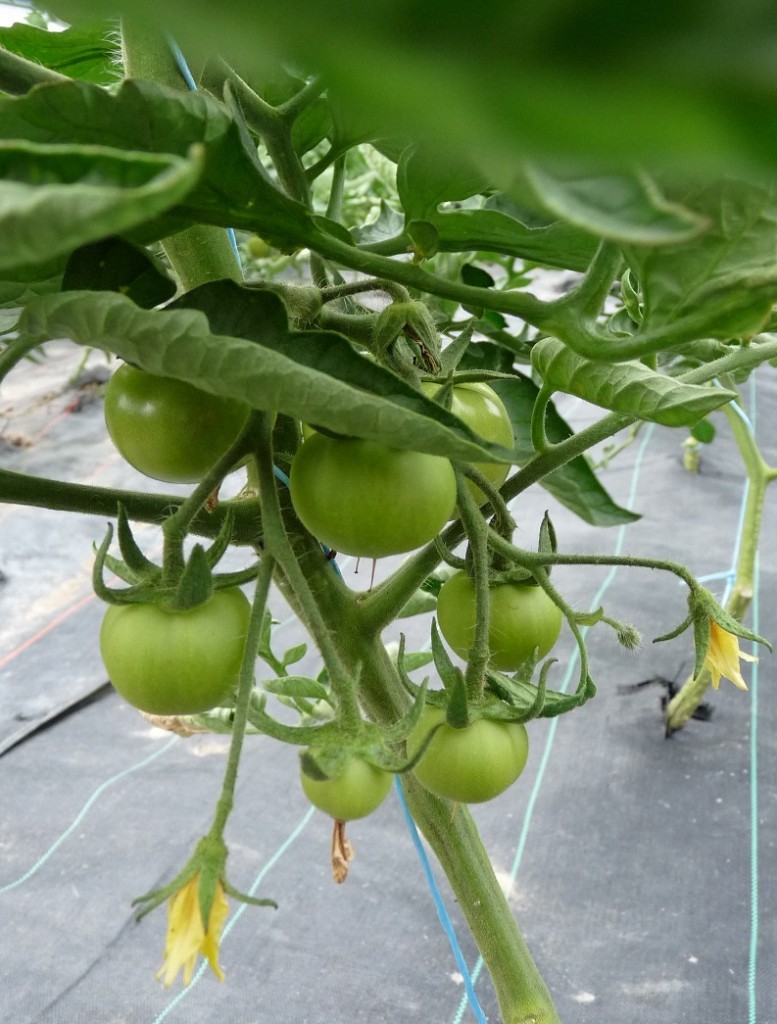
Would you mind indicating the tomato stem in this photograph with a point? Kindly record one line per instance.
(243, 697)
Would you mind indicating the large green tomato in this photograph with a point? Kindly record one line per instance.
(366, 499)
(521, 617)
(176, 663)
(481, 408)
(468, 765)
(359, 790)
(168, 429)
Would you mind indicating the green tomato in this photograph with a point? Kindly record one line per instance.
(521, 617)
(176, 663)
(366, 499)
(469, 765)
(257, 246)
(359, 790)
(481, 408)
(168, 429)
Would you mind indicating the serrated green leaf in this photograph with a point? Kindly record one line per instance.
(627, 208)
(387, 224)
(86, 52)
(56, 197)
(728, 275)
(575, 485)
(426, 178)
(557, 245)
(314, 376)
(629, 387)
(143, 118)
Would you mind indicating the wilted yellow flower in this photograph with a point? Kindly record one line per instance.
(723, 656)
(186, 936)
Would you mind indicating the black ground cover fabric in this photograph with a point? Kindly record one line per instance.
(642, 870)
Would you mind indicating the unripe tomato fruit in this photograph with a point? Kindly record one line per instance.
(359, 790)
(366, 499)
(469, 765)
(176, 663)
(481, 408)
(521, 617)
(167, 428)
(257, 246)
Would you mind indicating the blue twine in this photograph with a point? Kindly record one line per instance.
(442, 913)
(188, 77)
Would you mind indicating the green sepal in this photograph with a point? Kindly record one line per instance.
(212, 855)
(402, 729)
(704, 599)
(243, 897)
(548, 544)
(141, 568)
(454, 352)
(673, 634)
(135, 594)
(218, 548)
(324, 762)
(195, 585)
(701, 637)
(457, 712)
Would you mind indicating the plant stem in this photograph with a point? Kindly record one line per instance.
(245, 686)
(682, 706)
(200, 253)
(18, 75)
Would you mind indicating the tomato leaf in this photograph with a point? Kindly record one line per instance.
(85, 52)
(145, 119)
(629, 387)
(113, 264)
(622, 207)
(575, 485)
(54, 198)
(728, 275)
(314, 376)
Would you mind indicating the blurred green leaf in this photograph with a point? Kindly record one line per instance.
(54, 198)
(86, 53)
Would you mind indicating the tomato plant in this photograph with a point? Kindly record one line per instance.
(167, 428)
(176, 663)
(367, 499)
(521, 617)
(356, 792)
(469, 765)
(481, 408)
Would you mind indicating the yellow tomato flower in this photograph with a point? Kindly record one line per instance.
(186, 936)
(723, 656)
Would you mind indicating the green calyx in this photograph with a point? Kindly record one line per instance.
(191, 584)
